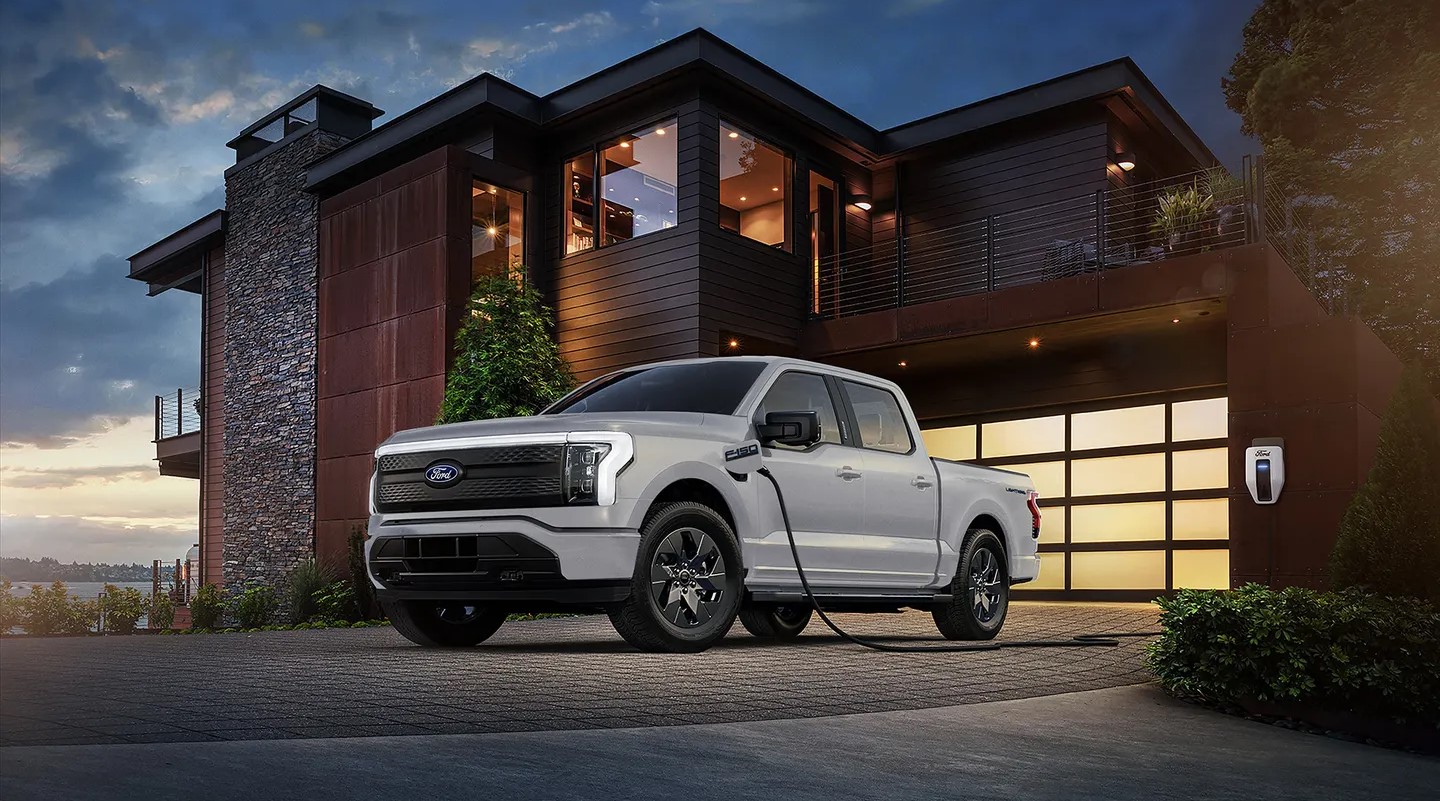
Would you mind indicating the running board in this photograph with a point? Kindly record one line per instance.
(847, 596)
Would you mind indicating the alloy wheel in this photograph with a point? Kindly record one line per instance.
(687, 576)
(985, 584)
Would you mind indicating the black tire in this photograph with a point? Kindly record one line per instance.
(444, 624)
(977, 612)
(698, 609)
(775, 621)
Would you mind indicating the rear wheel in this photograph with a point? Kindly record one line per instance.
(775, 621)
(686, 588)
(444, 624)
(980, 592)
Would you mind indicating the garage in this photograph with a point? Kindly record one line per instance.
(1133, 492)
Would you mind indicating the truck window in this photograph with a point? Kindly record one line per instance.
(878, 416)
(802, 392)
(705, 388)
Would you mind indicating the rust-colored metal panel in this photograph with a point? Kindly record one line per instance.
(413, 213)
(1174, 280)
(850, 333)
(348, 424)
(1306, 526)
(415, 169)
(1250, 534)
(419, 277)
(212, 431)
(1045, 301)
(419, 344)
(340, 486)
(332, 544)
(354, 196)
(952, 317)
(349, 238)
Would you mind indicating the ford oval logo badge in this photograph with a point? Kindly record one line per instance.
(443, 474)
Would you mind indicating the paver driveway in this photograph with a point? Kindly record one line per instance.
(567, 673)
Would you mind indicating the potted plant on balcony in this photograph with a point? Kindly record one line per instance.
(1181, 216)
(1227, 194)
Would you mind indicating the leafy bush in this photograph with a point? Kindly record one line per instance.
(1390, 536)
(122, 609)
(162, 611)
(255, 606)
(207, 607)
(51, 610)
(1348, 651)
(364, 591)
(507, 363)
(305, 581)
(11, 612)
(336, 603)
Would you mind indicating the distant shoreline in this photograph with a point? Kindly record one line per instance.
(47, 569)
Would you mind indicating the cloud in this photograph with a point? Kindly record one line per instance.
(689, 13)
(87, 349)
(64, 478)
(87, 540)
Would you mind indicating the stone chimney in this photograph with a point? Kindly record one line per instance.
(269, 284)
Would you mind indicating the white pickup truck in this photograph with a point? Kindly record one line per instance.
(617, 498)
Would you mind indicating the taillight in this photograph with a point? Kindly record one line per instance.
(1033, 501)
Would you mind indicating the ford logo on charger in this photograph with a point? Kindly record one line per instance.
(443, 474)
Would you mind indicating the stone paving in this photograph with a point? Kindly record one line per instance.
(564, 673)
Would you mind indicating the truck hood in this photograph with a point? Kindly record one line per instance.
(724, 428)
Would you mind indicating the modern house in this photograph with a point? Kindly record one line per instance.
(1006, 262)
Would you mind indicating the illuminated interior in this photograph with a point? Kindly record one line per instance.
(754, 188)
(1125, 508)
(497, 230)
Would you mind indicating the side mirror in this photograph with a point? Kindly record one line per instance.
(798, 429)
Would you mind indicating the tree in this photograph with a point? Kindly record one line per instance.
(507, 363)
(1344, 96)
(1390, 535)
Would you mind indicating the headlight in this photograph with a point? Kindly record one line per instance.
(370, 499)
(582, 471)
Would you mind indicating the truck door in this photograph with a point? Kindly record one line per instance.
(824, 492)
(900, 542)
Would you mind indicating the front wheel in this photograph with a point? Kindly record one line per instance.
(686, 587)
(980, 593)
(444, 624)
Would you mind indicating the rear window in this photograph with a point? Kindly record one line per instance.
(706, 388)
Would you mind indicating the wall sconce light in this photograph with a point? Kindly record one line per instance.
(1125, 160)
(861, 202)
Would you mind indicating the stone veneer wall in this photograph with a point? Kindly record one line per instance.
(270, 367)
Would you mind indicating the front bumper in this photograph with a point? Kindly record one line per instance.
(515, 560)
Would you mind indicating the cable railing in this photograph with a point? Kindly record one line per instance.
(177, 413)
(1135, 224)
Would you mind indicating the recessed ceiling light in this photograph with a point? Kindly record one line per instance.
(1034, 343)
(659, 131)
(903, 364)
(742, 198)
(637, 200)
(734, 135)
(734, 343)
(774, 189)
(1176, 320)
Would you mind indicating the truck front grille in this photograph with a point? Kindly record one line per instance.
(515, 476)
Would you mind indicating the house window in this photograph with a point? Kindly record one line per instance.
(754, 188)
(497, 230)
(635, 188)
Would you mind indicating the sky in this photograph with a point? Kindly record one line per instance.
(114, 118)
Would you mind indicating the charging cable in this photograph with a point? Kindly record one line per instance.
(1103, 640)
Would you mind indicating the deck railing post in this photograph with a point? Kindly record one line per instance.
(157, 417)
(1259, 199)
(1099, 229)
(990, 253)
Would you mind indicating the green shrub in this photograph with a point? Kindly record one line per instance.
(336, 603)
(122, 609)
(1349, 651)
(162, 611)
(51, 610)
(360, 577)
(1389, 539)
(207, 607)
(305, 581)
(507, 363)
(11, 611)
(255, 606)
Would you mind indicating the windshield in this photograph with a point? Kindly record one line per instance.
(706, 388)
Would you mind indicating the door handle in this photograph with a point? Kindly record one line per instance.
(848, 473)
(921, 483)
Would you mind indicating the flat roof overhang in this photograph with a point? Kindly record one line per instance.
(177, 261)
(701, 52)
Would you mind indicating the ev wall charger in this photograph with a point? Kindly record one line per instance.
(1265, 469)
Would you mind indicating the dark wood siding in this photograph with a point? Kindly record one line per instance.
(394, 276)
(212, 435)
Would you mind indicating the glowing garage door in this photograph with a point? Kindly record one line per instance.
(1134, 497)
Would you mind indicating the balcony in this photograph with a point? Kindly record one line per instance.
(177, 433)
(1105, 230)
